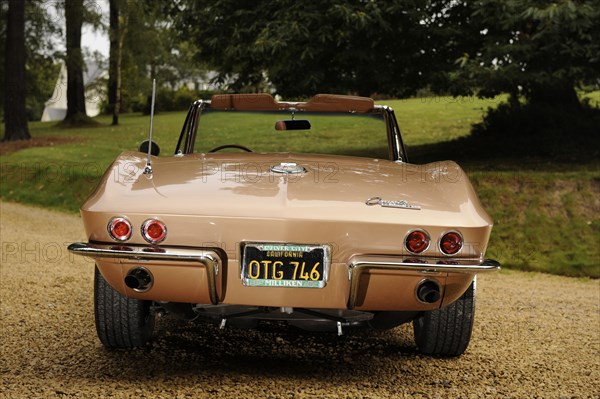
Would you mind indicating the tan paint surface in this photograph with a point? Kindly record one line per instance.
(219, 201)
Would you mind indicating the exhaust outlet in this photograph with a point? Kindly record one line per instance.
(139, 279)
(428, 291)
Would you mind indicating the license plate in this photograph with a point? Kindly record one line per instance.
(285, 265)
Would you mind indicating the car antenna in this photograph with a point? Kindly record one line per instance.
(148, 168)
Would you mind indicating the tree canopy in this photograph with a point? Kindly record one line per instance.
(539, 49)
(395, 47)
(305, 47)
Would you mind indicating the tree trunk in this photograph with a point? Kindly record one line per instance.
(119, 15)
(75, 85)
(15, 117)
(113, 33)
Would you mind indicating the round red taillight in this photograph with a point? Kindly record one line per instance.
(154, 231)
(451, 243)
(417, 241)
(119, 229)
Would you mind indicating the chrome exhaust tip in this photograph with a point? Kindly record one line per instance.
(428, 291)
(139, 279)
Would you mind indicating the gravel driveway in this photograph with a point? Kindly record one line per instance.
(535, 336)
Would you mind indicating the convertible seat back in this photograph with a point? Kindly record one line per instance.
(246, 102)
(337, 103)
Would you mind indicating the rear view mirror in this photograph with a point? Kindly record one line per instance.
(293, 124)
(155, 150)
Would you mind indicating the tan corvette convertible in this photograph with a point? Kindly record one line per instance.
(306, 212)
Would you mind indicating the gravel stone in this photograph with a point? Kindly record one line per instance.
(535, 336)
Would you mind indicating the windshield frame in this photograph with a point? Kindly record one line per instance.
(189, 131)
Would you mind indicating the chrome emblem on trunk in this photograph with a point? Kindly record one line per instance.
(391, 204)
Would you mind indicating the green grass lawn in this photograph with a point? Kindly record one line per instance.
(432, 120)
(546, 214)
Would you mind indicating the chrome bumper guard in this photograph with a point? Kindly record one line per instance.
(209, 259)
(360, 264)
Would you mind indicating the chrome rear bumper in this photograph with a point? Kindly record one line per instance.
(363, 263)
(207, 258)
(212, 262)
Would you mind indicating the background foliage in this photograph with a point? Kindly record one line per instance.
(41, 57)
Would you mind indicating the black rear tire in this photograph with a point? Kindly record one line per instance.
(121, 322)
(447, 332)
